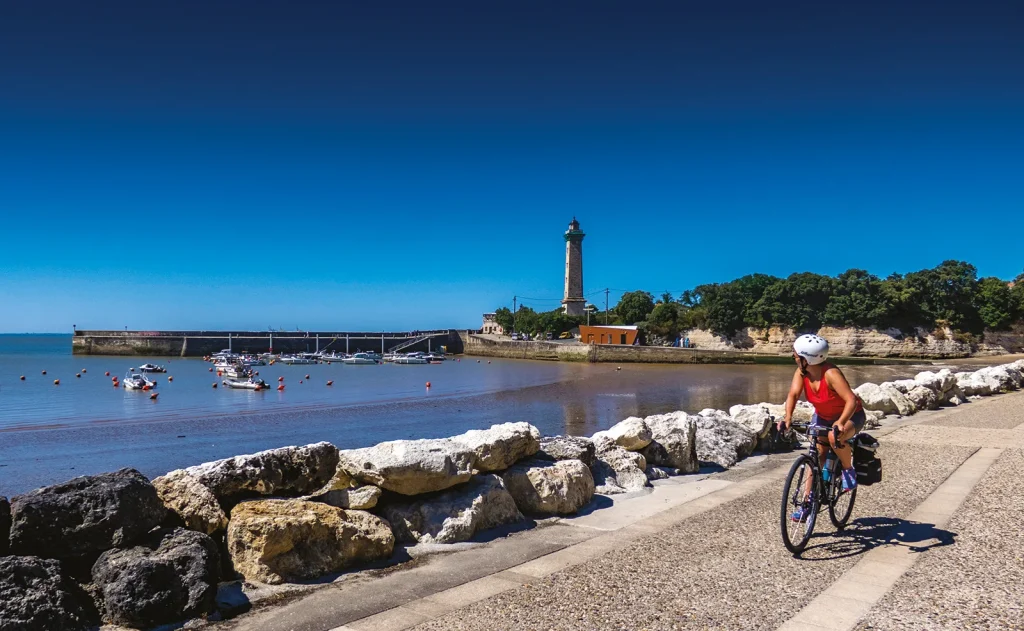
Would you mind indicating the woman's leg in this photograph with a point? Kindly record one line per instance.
(841, 449)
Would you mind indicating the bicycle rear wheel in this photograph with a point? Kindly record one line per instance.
(795, 496)
(840, 506)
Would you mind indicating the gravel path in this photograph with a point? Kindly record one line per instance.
(986, 415)
(723, 569)
(987, 562)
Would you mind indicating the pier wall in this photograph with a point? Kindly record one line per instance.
(200, 343)
(500, 346)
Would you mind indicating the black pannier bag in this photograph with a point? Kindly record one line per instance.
(865, 462)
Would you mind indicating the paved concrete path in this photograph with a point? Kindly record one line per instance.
(704, 553)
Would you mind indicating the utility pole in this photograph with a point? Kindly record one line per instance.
(606, 306)
(514, 313)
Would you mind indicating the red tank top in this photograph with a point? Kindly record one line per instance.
(828, 405)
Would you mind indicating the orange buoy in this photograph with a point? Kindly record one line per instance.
(280, 378)
(307, 376)
(78, 375)
(170, 378)
(281, 387)
(144, 388)
(106, 374)
(211, 370)
(300, 381)
(256, 374)
(44, 372)
(220, 374)
(214, 385)
(115, 384)
(488, 362)
(154, 396)
(478, 361)
(330, 383)
(428, 384)
(84, 370)
(23, 377)
(56, 382)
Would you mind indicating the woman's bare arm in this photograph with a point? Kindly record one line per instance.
(795, 390)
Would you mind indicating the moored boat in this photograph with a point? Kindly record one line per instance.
(411, 359)
(135, 381)
(152, 368)
(359, 359)
(247, 384)
(295, 360)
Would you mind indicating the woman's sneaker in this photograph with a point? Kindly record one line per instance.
(849, 479)
(802, 513)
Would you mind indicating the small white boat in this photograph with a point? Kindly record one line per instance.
(292, 360)
(359, 359)
(434, 357)
(152, 368)
(238, 371)
(333, 358)
(135, 381)
(252, 360)
(247, 384)
(411, 359)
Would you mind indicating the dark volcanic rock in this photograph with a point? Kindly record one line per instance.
(77, 520)
(172, 576)
(5, 524)
(34, 596)
(567, 448)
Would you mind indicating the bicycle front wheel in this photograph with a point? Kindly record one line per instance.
(841, 504)
(799, 508)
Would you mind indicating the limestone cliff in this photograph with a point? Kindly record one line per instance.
(867, 342)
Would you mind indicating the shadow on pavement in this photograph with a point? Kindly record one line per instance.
(868, 533)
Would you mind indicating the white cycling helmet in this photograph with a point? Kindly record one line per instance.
(812, 348)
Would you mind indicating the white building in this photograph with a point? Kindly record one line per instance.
(491, 325)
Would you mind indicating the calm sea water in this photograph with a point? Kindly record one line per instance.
(50, 433)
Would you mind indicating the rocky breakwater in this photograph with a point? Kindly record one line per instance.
(118, 548)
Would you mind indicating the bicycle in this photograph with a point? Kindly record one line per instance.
(796, 534)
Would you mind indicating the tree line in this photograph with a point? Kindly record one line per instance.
(948, 295)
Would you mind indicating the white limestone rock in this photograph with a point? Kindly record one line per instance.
(617, 470)
(978, 383)
(721, 440)
(755, 418)
(411, 467)
(631, 434)
(923, 398)
(454, 515)
(673, 442)
(941, 382)
(550, 488)
(904, 385)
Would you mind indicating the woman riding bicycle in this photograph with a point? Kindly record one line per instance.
(835, 404)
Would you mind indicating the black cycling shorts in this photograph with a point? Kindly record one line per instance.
(859, 418)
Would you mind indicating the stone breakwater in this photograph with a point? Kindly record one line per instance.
(122, 549)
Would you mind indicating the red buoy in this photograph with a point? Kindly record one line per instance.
(307, 376)
(23, 377)
(56, 382)
(300, 381)
(281, 387)
(106, 374)
(330, 383)
(280, 378)
(214, 385)
(115, 384)
(211, 370)
(84, 370)
(170, 378)
(78, 375)
(153, 396)
(44, 372)
(144, 388)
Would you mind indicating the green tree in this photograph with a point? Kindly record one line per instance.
(1018, 294)
(858, 299)
(634, 306)
(666, 297)
(664, 320)
(997, 306)
(948, 292)
(503, 316)
(799, 301)
(721, 307)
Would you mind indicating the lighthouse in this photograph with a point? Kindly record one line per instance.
(573, 301)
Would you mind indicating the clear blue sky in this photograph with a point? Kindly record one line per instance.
(365, 165)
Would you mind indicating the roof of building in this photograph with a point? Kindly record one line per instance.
(610, 326)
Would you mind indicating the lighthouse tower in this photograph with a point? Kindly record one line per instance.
(573, 301)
